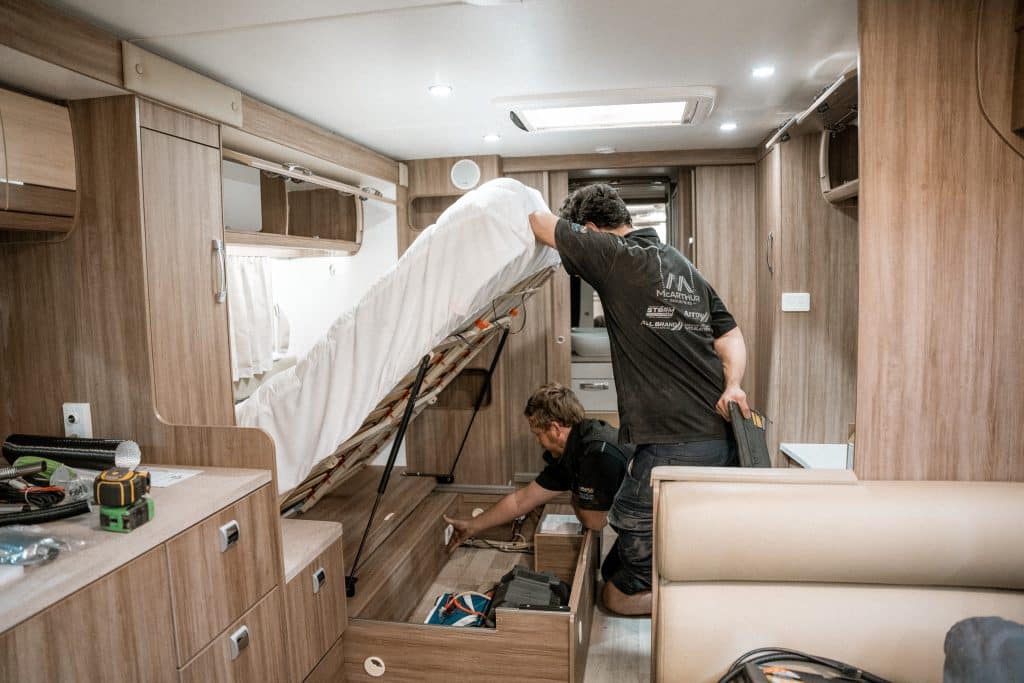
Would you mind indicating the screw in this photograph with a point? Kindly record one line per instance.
(71, 419)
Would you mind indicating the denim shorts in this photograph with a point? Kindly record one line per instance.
(628, 564)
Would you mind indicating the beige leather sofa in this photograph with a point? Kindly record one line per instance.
(872, 573)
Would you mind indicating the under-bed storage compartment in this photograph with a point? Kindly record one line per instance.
(405, 567)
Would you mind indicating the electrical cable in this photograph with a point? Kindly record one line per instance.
(48, 515)
(977, 84)
(766, 655)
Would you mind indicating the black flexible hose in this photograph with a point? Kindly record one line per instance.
(48, 515)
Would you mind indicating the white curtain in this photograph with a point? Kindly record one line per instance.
(253, 332)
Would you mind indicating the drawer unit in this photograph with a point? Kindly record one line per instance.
(231, 559)
(594, 384)
(247, 650)
(330, 669)
(315, 608)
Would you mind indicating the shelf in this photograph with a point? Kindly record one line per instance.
(289, 246)
(842, 193)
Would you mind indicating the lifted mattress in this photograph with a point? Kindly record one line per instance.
(477, 262)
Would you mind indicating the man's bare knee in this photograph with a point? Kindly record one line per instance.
(627, 605)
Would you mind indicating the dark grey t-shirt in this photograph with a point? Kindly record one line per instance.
(662, 318)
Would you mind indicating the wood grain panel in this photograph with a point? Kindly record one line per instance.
(41, 200)
(35, 222)
(584, 596)
(84, 642)
(559, 326)
(230, 581)
(1017, 120)
(265, 121)
(188, 328)
(315, 620)
(324, 214)
(165, 120)
(399, 571)
(330, 669)
(37, 138)
(581, 162)
(724, 234)
(431, 177)
(939, 358)
(817, 251)
(765, 344)
(557, 553)
(89, 293)
(51, 35)
(1000, 63)
(350, 504)
(525, 646)
(261, 661)
(274, 204)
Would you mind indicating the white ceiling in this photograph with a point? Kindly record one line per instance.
(362, 67)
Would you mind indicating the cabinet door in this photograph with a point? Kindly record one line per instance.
(116, 629)
(181, 186)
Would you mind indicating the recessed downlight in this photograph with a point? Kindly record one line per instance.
(492, 137)
(440, 90)
(728, 126)
(763, 71)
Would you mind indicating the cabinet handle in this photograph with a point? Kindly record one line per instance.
(229, 535)
(220, 270)
(594, 386)
(239, 641)
(319, 579)
(769, 248)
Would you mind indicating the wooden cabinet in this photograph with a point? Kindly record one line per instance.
(116, 629)
(187, 280)
(324, 213)
(37, 165)
(231, 560)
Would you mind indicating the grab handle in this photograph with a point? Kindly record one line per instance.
(220, 271)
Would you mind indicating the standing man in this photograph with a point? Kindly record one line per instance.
(583, 457)
(678, 359)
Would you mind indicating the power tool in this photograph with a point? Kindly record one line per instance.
(124, 519)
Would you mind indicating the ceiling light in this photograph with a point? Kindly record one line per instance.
(728, 126)
(637, 108)
(492, 137)
(765, 71)
(440, 90)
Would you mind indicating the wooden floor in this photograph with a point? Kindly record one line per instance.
(620, 647)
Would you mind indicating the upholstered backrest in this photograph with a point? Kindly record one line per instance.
(870, 572)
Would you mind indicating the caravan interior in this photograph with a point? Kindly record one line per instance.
(286, 250)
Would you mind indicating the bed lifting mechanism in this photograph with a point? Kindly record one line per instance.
(484, 389)
(410, 405)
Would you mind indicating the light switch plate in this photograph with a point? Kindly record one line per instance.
(796, 301)
(77, 420)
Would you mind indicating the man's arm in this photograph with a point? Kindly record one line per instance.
(731, 348)
(592, 519)
(515, 504)
(543, 225)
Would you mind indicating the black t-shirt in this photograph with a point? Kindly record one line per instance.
(662, 318)
(592, 465)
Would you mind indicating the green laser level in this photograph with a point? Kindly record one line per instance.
(124, 519)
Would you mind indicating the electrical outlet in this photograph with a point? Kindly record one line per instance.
(796, 301)
(77, 420)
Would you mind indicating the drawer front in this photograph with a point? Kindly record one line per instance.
(221, 567)
(116, 629)
(591, 370)
(596, 394)
(330, 669)
(247, 650)
(315, 606)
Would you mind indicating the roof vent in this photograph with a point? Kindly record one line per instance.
(642, 108)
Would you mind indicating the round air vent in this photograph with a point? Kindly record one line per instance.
(465, 174)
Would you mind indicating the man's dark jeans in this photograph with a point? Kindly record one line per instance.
(628, 564)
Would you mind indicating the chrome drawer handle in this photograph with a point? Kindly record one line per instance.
(229, 535)
(319, 579)
(239, 641)
(220, 270)
(595, 386)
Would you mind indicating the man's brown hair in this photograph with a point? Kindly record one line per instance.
(553, 402)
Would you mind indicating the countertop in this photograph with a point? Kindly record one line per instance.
(177, 508)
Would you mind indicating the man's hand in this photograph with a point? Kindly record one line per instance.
(464, 530)
(732, 393)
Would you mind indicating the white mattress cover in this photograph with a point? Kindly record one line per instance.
(478, 249)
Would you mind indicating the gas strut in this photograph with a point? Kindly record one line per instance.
(350, 580)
